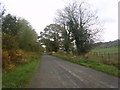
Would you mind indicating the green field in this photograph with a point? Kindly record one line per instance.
(105, 55)
(103, 50)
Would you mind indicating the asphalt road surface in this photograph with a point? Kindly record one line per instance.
(56, 73)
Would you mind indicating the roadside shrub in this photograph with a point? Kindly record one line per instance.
(16, 55)
(9, 42)
(23, 61)
(10, 67)
(5, 58)
(13, 57)
(6, 61)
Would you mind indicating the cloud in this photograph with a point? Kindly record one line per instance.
(41, 13)
(108, 14)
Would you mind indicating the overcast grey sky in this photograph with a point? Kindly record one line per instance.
(42, 12)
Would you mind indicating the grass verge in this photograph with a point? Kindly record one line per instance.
(112, 70)
(21, 76)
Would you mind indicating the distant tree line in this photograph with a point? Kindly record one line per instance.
(76, 29)
(115, 43)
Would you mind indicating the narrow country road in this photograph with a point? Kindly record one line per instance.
(56, 73)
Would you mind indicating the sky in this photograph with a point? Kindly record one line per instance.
(40, 13)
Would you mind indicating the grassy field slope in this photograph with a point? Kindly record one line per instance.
(20, 77)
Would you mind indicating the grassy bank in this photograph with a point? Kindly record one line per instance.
(20, 77)
(112, 70)
(105, 55)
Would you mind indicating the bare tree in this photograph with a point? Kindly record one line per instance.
(82, 24)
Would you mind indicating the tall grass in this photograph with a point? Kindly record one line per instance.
(20, 77)
(105, 55)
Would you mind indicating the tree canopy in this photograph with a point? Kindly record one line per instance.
(81, 23)
(77, 28)
(18, 33)
(51, 37)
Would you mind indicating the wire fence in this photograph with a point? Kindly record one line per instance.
(106, 57)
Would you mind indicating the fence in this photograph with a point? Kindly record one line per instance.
(105, 57)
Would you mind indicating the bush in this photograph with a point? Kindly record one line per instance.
(18, 56)
(5, 58)
(23, 61)
(9, 42)
(10, 67)
(13, 57)
(6, 61)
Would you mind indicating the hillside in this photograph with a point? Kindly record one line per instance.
(107, 44)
